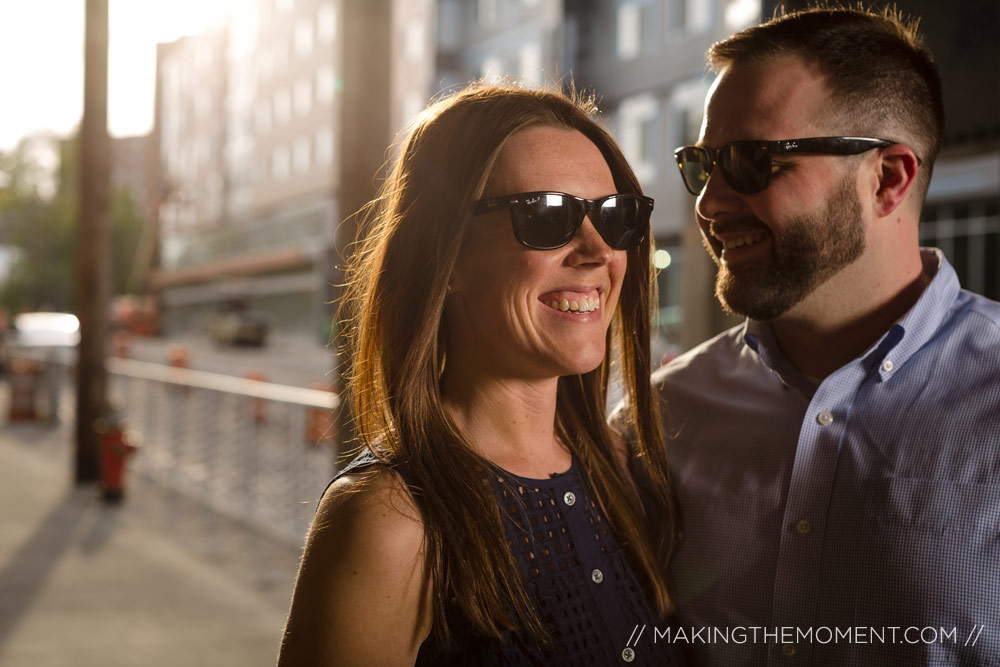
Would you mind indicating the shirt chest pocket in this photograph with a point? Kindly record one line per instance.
(930, 551)
(937, 507)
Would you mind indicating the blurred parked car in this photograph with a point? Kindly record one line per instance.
(48, 330)
(236, 324)
(52, 335)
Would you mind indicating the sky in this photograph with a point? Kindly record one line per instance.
(41, 61)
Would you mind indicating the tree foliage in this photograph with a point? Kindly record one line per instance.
(39, 221)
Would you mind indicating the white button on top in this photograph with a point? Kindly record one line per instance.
(569, 498)
(887, 365)
(597, 576)
(824, 418)
(628, 655)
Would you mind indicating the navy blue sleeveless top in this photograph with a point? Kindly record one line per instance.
(578, 576)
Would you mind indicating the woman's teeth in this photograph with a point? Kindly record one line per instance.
(749, 239)
(583, 305)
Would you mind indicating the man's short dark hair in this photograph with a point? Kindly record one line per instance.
(881, 77)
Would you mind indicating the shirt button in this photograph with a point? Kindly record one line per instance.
(597, 576)
(788, 650)
(887, 365)
(824, 418)
(628, 655)
(569, 498)
(804, 527)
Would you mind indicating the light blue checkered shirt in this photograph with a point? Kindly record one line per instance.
(869, 502)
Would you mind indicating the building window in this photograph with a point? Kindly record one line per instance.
(530, 63)
(324, 147)
(303, 37)
(282, 107)
(638, 132)
(486, 12)
(491, 69)
(326, 23)
(687, 100)
(280, 51)
(203, 105)
(325, 84)
(280, 163)
(303, 97)
(300, 155)
(262, 117)
(698, 16)
(413, 104)
(628, 30)
(265, 63)
(413, 41)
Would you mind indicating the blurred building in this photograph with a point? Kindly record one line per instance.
(270, 132)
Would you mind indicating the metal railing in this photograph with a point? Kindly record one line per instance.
(257, 451)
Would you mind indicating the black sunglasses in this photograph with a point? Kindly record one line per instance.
(549, 220)
(746, 165)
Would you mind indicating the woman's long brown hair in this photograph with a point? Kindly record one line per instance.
(398, 277)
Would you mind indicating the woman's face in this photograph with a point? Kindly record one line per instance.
(507, 313)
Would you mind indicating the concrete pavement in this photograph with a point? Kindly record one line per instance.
(159, 580)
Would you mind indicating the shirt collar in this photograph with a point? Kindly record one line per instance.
(892, 350)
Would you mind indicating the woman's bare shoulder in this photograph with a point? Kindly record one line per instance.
(361, 596)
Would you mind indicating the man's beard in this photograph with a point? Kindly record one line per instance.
(810, 250)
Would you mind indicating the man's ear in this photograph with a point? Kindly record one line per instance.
(897, 171)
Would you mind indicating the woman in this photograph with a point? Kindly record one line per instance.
(494, 518)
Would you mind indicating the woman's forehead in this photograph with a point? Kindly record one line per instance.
(550, 158)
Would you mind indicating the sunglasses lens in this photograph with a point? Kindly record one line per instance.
(746, 167)
(546, 221)
(696, 166)
(622, 221)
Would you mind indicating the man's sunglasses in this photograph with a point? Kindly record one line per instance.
(549, 220)
(746, 165)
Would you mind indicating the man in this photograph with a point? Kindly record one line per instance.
(837, 457)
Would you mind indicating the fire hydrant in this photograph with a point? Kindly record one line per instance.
(116, 446)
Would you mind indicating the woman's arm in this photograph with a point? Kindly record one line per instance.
(360, 597)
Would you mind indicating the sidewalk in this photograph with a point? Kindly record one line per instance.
(157, 581)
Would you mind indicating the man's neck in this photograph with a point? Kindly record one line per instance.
(833, 325)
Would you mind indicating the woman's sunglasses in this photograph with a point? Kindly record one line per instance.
(549, 220)
(746, 165)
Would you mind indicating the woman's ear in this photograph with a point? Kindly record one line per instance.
(897, 172)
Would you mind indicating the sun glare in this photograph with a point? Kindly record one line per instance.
(44, 38)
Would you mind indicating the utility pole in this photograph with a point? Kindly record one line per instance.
(93, 277)
(364, 134)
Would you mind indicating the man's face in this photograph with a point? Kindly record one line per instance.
(775, 247)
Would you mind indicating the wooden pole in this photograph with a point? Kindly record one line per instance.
(93, 276)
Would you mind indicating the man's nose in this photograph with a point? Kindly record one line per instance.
(717, 198)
